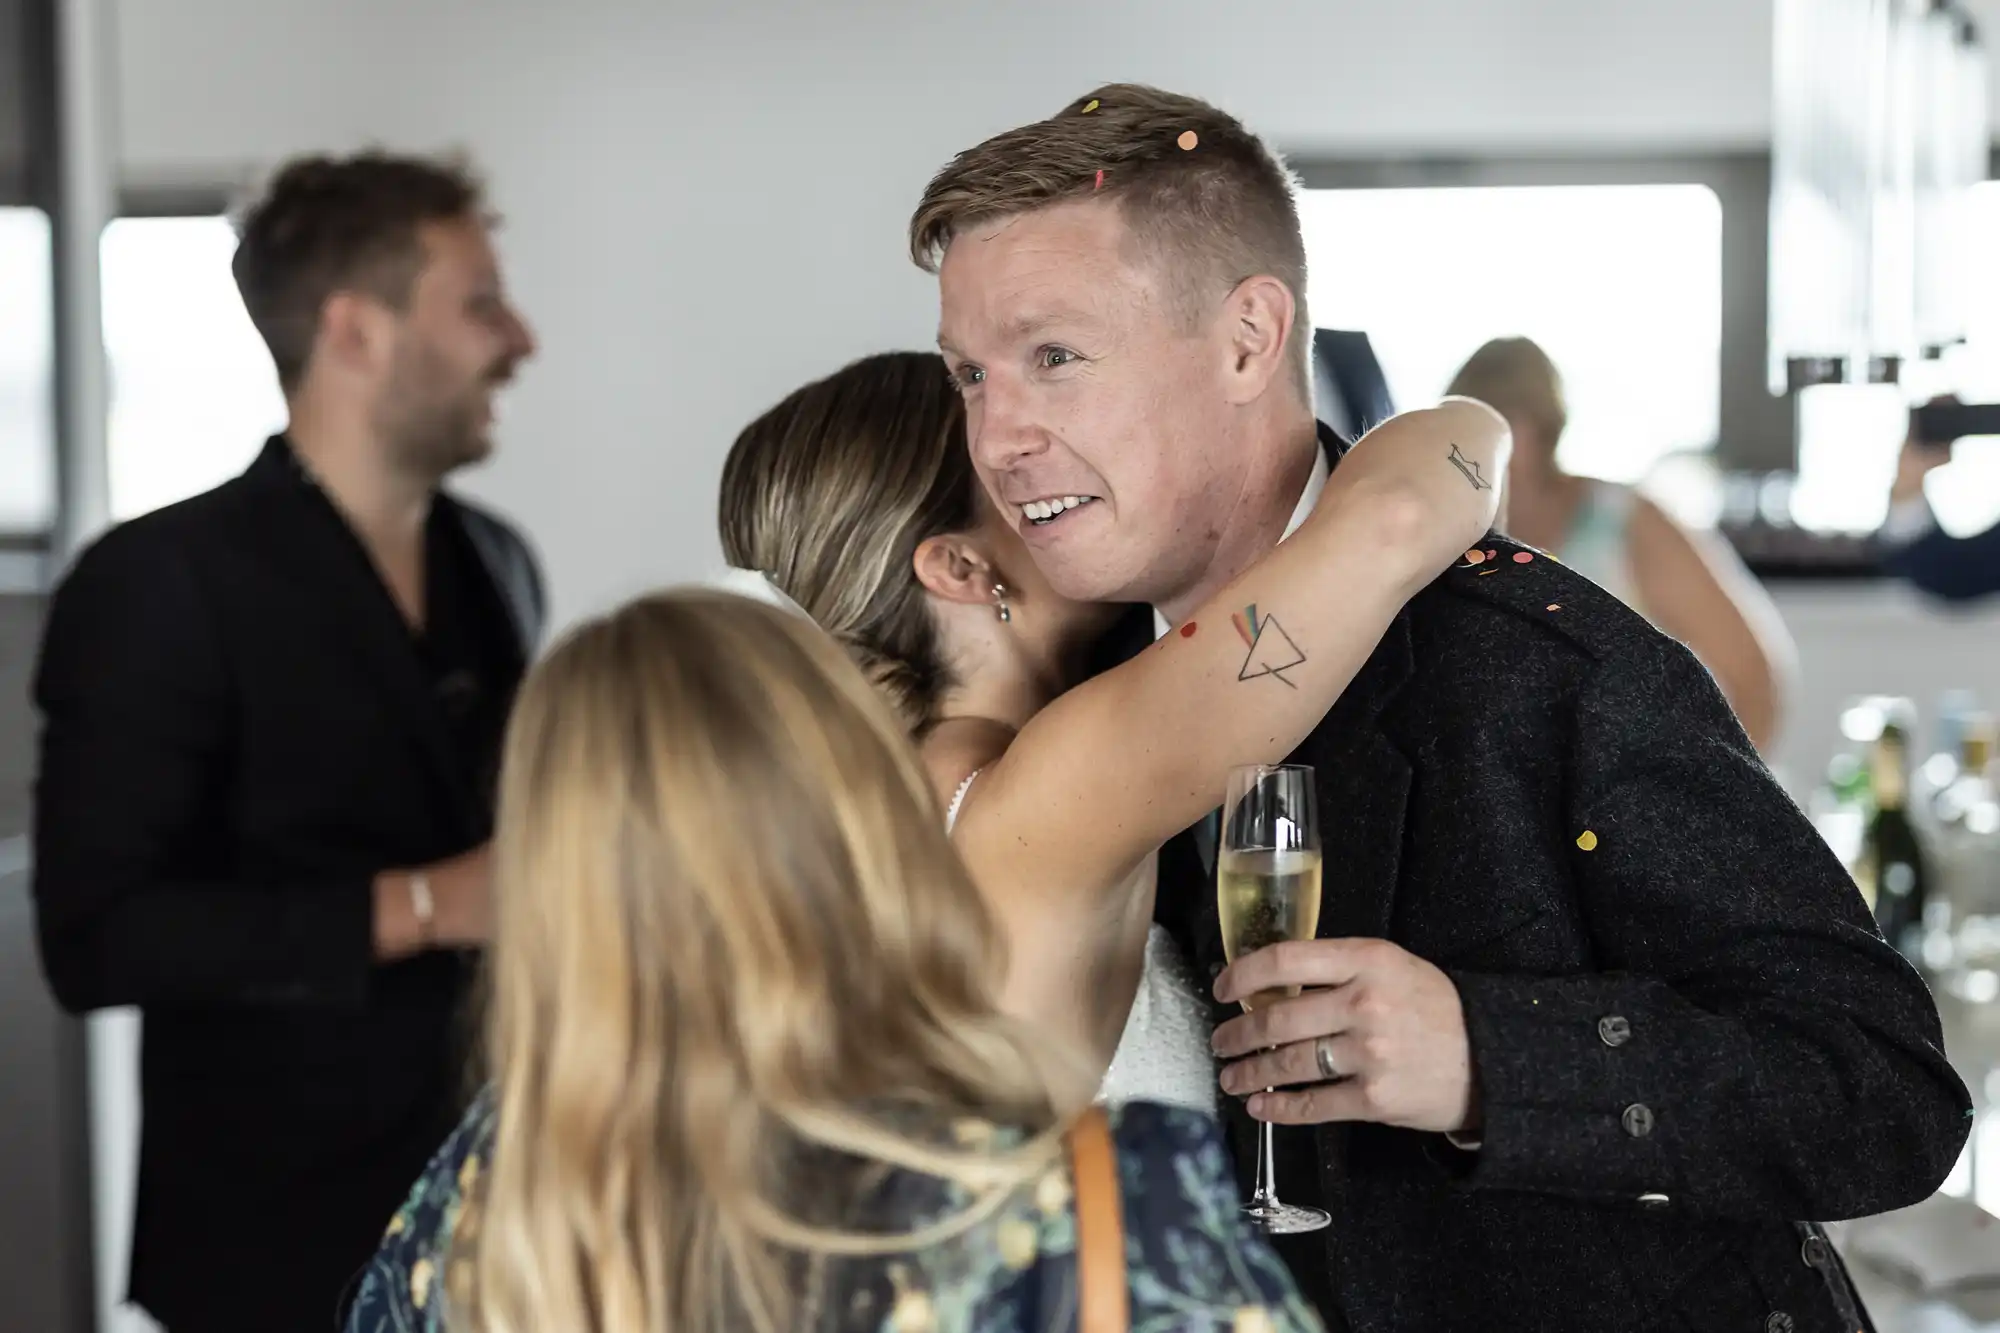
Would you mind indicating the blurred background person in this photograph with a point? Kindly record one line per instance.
(1691, 586)
(751, 1066)
(272, 720)
(1954, 569)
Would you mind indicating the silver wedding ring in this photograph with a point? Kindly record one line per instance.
(1323, 1056)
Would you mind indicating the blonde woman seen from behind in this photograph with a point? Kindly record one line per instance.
(1689, 584)
(749, 1066)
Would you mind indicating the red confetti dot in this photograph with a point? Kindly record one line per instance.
(1522, 557)
(1100, 179)
(1187, 630)
(1491, 554)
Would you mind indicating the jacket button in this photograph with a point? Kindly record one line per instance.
(1638, 1120)
(1779, 1322)
(1652, 1200)
(1613, 1030)
(1813, 1252)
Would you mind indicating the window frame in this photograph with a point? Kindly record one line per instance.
(1754, 431)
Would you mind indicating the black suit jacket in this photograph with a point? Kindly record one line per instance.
(238, 735)
(1707, 958)
(1347, 377)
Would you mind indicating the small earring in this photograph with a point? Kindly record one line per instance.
(1000, 607)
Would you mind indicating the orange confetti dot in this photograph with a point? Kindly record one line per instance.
(1588, 842)
(1555, 606)
(1188, 140)
(1474, 557)
(1090, 106)
(1522, 557)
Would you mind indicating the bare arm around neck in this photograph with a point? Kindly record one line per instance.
(1123, 762)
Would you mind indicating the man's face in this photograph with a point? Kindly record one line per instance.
(456, 345)
(1081, 381)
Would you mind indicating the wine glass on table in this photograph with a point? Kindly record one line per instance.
(1267, 879)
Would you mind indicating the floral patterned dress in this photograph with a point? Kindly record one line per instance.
(1193, 1263)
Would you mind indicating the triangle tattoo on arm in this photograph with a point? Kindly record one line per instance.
(1272, 652)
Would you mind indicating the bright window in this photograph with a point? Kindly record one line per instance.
(1850, 434)
(27, 361)
(193, 392)
(1621, 284)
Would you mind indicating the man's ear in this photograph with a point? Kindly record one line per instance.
(1259, 316)
(955, 568)
(356, 332)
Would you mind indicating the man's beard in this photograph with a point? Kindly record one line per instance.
(430, 433)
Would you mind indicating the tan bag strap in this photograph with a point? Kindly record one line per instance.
(1102, 1294)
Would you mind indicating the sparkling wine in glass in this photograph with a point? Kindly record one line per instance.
(1267, 880)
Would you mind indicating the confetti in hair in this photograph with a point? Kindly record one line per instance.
(1100, 179)
(1090, 106)
(1188, 140)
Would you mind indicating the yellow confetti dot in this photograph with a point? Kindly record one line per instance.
(1188, 140)
(1588, 842)
(1252, 1319)
(1090, 106)
(420, 1283)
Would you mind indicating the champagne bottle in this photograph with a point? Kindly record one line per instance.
(1893, 873)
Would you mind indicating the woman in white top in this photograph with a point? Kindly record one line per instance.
(1689, 584)
(857, 497)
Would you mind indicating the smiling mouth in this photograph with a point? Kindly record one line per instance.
(1041, 513)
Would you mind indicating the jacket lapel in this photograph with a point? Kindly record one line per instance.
(1363, 781)
(307, 544)
(507, 570)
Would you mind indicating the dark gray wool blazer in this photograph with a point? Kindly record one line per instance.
(1690, 1041)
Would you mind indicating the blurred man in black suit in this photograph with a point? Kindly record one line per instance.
(272, 721)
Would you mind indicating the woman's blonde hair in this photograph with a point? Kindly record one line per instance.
(832, 491)
(1516, 378)
(732, 940)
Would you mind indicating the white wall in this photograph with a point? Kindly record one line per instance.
(706, 201)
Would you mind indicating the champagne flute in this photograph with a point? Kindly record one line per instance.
(1267, 880)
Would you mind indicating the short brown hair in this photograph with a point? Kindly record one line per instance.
(1219, 211)
(326, 224)
(831, 492)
